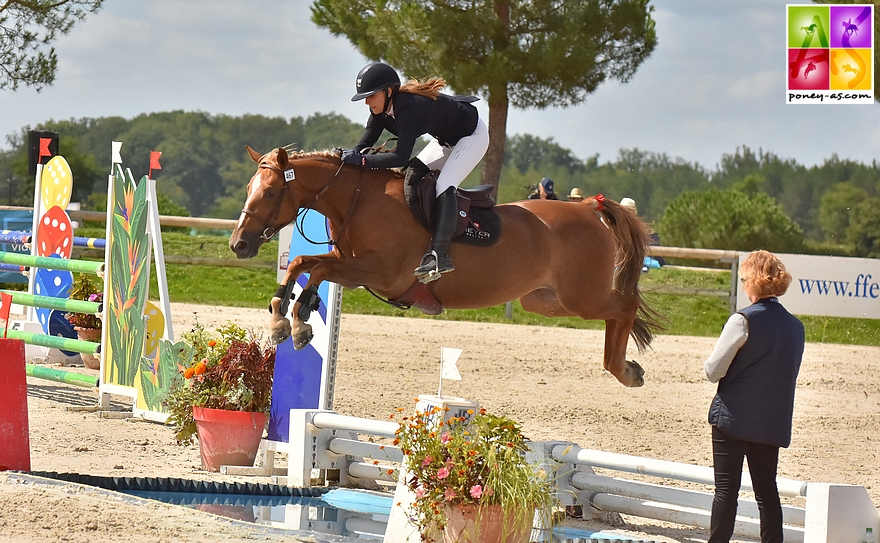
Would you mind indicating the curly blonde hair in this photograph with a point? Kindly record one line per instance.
(764, 275)
(429, 89)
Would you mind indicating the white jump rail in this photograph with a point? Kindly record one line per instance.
(832, 513)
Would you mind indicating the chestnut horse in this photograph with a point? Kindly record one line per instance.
(560, 259)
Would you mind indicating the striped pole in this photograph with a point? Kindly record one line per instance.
(60, 376)
(22, 238)
(11, 268)
(50, 302)
(81, 266)
(62, 343)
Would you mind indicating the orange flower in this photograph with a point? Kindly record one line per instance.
(201, 367)
(212, 343)
(188, 373)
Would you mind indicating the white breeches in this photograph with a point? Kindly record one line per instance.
(455, 163)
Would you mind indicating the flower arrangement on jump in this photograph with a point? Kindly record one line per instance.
(88, 289)
(230, 369)
(475, 461)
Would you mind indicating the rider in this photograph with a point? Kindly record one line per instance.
(459, 141)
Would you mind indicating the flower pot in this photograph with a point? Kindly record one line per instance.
(228, 438)
(487, 524)
(91, 361)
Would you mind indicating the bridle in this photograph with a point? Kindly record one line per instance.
(287, 174)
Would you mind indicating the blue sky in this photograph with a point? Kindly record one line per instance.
(716, 80)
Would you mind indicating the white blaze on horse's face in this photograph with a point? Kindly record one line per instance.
(260, 192)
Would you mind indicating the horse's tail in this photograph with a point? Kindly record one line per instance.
(632, 239)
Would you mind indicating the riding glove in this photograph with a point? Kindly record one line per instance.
(353, 157)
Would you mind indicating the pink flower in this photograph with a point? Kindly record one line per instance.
(427, 461)
(442, 473)
(449, 494)
(445, 438)
(476, 492)
(420, 493)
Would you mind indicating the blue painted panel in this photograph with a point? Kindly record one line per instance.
(298, 374)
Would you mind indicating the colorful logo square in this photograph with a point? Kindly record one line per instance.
(830, 54)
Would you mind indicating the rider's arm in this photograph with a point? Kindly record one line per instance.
(733, 337)
(371, 134)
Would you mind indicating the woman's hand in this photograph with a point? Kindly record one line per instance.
(351, 156)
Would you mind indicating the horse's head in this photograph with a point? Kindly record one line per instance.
(270, 203)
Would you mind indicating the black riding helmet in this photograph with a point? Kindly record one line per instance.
(373, 78)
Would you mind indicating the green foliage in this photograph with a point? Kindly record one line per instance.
(863, 231)
(84, 287)
(729, 219)
(477, 460)
(835, 209)
(27, 28)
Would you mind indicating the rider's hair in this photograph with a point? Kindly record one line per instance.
(429, 89)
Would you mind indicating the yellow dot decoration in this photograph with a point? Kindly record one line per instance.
(155, 329)
(57, 183)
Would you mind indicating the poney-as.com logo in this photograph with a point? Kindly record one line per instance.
(830, 54)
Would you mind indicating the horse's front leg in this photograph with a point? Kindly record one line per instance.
(280, 326)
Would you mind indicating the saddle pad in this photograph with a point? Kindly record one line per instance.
(477, 224)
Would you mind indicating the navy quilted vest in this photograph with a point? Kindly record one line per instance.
(755, 399)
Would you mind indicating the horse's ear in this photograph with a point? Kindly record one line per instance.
(255, 156)
(282, 157)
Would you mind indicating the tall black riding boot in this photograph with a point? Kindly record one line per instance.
(436, 261)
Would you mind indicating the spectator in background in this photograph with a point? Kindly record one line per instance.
(755, 363)
(544, 191)
(576, 195)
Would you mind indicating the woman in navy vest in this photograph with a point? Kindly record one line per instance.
(459, 141)
(755, 363)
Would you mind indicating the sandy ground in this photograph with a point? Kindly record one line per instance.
(550, 379)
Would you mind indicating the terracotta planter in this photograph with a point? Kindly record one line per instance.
(91, 361)
(228, 438)
(487, 524)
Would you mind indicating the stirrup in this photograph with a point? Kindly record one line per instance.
(429, 261)
(427, 275)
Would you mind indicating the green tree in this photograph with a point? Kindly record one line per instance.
(27, 28)
(836, 209)
(729, 219)
(864, 228)
(513, 52)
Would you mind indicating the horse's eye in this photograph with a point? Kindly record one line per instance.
(269, 194)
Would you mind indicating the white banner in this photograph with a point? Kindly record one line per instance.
(828, 286)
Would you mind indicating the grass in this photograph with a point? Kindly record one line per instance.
(689, 315)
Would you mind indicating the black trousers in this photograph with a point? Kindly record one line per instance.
(728, 453)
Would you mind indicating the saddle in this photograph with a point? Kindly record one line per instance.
(478, 223)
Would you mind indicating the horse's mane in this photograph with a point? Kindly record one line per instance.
(297, 154)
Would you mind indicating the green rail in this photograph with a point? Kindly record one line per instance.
(69, 377)
(65, 344)
(81, 266)
(50, 302)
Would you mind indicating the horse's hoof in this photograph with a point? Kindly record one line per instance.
(302, 336)
(638, 373)
(280, 331)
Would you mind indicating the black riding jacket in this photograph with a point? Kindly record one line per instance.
(448, 119)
